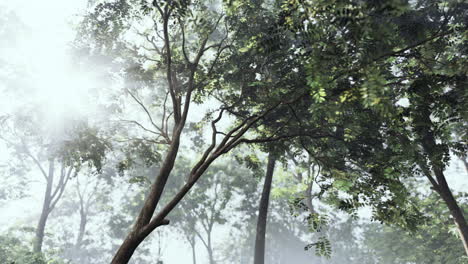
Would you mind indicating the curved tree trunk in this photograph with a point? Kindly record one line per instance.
(259, 256)
(40, 230)
(83, 222)
(455, 210)
(194, 253)
(439, 182)
(126, 250)
(210, 255)
(137, 235)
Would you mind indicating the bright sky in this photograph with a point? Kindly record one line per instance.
(43, 51)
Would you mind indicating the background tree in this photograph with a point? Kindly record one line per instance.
(63, 158)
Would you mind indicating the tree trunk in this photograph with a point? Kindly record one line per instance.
(210, 255)
(157, 188)
(210, 250)
(126, 250)
(194, 253)
(455, 210)
(136, 236)
(424, 130)
(83, 222)
(259, 256)
(40, 230)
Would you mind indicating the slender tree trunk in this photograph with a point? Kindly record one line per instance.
(210, 255)
(40, 230)
(424, 130)
(259, 256)
(455, 210)
(76, 250)
(210, 250)
(308, 195)
(207, 243)
(157, 188)
(83, 222)
(194, 253)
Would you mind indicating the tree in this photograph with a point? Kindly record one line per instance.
(434, 242)
(44, 148)
(259, 255)
(14, 251)
(188, 62)
(415, 62)
(205, 207)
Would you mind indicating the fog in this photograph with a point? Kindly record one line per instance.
(98, 143)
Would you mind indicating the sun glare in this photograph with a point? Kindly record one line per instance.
(40, 51)
(64, 93)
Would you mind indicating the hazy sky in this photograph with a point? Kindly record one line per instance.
(44, 51)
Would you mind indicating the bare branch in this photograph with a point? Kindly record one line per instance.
(182, 27)
(141, 126)
(62, 188)
(282, 137)
(62, 177)
(156, 30)
(151, 40)
(35, 160)
(170, 76)
(161, 12)
(200, 237)
(139, 102)
(213, 143)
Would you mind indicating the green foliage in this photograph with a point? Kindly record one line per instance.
(251, 162)
(14, 251)
(433, 242)
(139, 153)
(86, 146)
(317, 222)
(361, 58)
(322, 247)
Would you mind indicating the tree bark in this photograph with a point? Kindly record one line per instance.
(126, 250)
(440, 183)
(40, 230)
(157, 188)
(423, 128)
(210, 250)
(259, 256)
(455, 210)
(194, 253)
(136, 236)
(83, 222)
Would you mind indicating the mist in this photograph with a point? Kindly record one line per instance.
(247, 132)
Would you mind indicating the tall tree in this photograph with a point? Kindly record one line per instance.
(259, 255)
(188, 42)
(56, 157)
